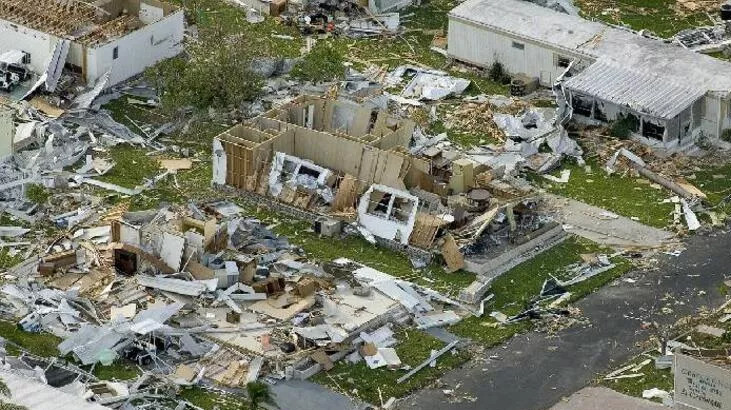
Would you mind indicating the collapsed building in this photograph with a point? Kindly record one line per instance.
(202, 293)
(669, 96)
(340, 161)
(121, 37)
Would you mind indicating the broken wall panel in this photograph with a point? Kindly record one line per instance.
(388, 213)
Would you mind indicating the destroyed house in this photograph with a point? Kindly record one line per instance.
(122, 37)
(668, 95)
(350, 162)
(331, 157)
(326, 134)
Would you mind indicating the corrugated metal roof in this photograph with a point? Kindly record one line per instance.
(38, 396)
(642, 92)
(596, 40)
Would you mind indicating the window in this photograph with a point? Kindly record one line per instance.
(379, 202)
(582, 105)
(26, 58)
(562, 62)
(519, 46)
(115, 53)
(652, 130)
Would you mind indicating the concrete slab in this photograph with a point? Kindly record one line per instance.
(602, 398)
(304, 395)
(606, 228)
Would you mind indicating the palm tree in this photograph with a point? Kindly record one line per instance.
(258, 393)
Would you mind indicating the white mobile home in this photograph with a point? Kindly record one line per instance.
(120, 36)
(673, 95)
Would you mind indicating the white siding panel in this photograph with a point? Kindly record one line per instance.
(38, 45)
(481, 46)
(138, 50)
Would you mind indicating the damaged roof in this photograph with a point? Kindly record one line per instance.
(641, 92)
(596, 40)
(38, 396)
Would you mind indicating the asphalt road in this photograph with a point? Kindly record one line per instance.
(534, 371)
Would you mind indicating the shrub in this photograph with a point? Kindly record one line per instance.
(726, 135)
(623, 126)
(324, 63)
(498, 74)
(37, 194)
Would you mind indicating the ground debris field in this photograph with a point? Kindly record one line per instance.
(337, 204)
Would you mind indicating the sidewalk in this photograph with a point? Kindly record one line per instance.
(602, 398)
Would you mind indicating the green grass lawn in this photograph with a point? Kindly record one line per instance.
(663, 379)
(657, 16)
(623, 195)
(119, 370)
(716, 184)
(7, 260)
(516, 288)
(358, 249)
(41, 344)
(209, 400)
(660, 378)
(357, 380)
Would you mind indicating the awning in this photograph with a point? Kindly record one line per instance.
(641, 92)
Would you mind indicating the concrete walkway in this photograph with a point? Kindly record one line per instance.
(535, 370)
(603, 227)
(602, 398)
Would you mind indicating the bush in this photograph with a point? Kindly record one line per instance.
(623, 127)
(726, 135)
(498, 74)
(324, 63)
(37, 194)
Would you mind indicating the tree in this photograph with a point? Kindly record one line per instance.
(217, 73)
(258, 393)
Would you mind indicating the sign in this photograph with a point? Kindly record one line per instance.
(700, 385)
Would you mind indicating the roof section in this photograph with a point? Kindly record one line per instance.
(525, 19)
(597, 40)
(38, 396)
(58, 17)
(641, 92)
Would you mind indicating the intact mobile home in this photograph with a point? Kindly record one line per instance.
(120, 36)
(673, 95)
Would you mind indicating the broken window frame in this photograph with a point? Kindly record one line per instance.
(562, 61)
(652, 130)
(398, 208)
(586, 106)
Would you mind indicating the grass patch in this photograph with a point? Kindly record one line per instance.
(133, 166)
(415, 346)
(358, 249)
(324, 63)
(463, 138)
(515, 289)
(658, 16)
(119, 370)
(209, 400)
(663, 379)
(7, 260)
(716, 184)
(41, 344)
(630, 197)
(660, 378)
